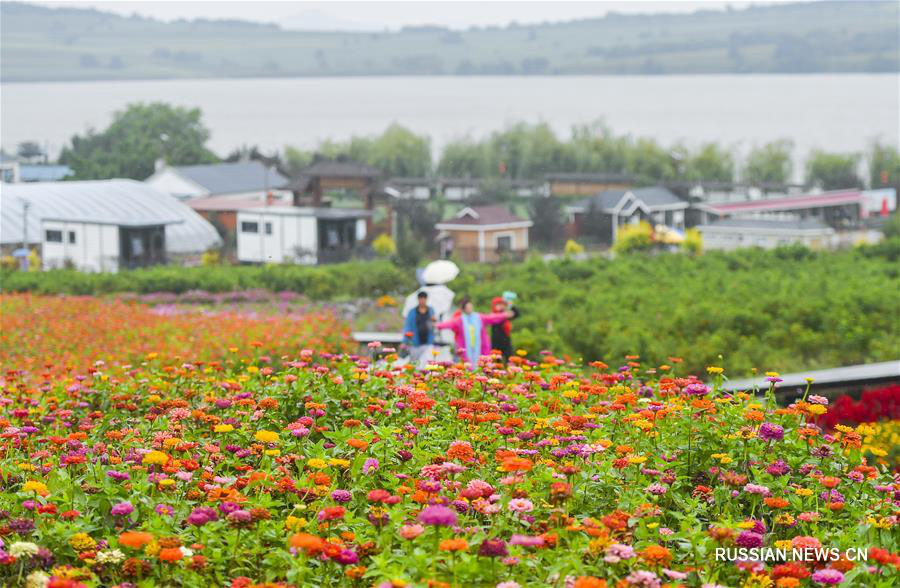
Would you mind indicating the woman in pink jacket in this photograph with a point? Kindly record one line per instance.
(470, 328)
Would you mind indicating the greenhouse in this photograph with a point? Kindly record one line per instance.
(101, 225)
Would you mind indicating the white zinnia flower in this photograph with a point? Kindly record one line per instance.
(20, 548)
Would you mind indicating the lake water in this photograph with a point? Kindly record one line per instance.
(833, 112)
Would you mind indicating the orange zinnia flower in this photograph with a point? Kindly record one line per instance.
(656, 554)
(590, 582)
(171, 554)
(135, 539)
(308, 543)
(453, 545)
(517, 464)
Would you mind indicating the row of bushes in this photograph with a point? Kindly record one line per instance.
(348, 280)
(787, 309)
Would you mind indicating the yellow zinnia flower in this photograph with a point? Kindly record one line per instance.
(155, 458)
(266, 436)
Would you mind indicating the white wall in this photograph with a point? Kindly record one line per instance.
(289, 232)
(361, 230)
(172, 183)
(96, 246)
(727, 240)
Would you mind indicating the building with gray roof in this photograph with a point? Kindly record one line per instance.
(602, 215)
(735, 233)
(242, 179)
(101, 225)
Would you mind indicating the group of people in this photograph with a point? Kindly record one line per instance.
(470, 329)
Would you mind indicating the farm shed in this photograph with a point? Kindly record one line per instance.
(294, 234)
(101, 225)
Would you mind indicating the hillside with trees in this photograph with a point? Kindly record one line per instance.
(43, 44)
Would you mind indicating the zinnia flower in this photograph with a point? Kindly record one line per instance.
(827, 576)
(771, 432)
(439, 516)
(122, 509)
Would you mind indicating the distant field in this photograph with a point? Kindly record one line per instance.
(40, 43)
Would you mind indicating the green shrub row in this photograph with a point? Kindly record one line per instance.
(348, 280)
(788, 309)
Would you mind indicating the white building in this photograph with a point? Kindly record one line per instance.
(289, 234)
(101, 225)
(735, 233)
(242, 180)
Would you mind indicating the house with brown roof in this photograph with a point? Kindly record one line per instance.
(484, 234)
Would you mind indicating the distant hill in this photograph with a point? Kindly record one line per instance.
(41, 43)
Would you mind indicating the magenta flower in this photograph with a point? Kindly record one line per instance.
(771, 432)
(438, 516)
(122, 509)
(749, 539)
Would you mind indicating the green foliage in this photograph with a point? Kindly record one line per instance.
(631, 238)
(329, 282)
(464, 158)
(410, 246)
(396, 152)
(891, 227)
(709, 163)
(787, 309)
(137, 137)
(833, 171)
(769, 163)
(884, 166)
(784, 310)
(548, 229)
(400, 152)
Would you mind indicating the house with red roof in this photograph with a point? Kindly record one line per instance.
(484, 234)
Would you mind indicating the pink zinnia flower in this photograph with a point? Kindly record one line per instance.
(520, 505)
(828, 576)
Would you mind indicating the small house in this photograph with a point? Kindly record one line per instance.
(484, 234)
(293, 234)
(602, 215)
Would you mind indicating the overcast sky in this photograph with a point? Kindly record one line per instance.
(378, 16)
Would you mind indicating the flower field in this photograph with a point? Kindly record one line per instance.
(227, 450)
(51, 336)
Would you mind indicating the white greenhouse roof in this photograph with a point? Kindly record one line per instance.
(118, 202)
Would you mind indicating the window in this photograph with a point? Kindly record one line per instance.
(504, 243)
(268, 228)
(247, 227)
(53, 237)
(71, 237)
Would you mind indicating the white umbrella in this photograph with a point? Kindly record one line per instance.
(440, 272)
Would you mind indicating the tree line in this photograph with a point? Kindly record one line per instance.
(142, 133)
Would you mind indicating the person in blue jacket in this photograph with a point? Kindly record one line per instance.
(418, 331)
